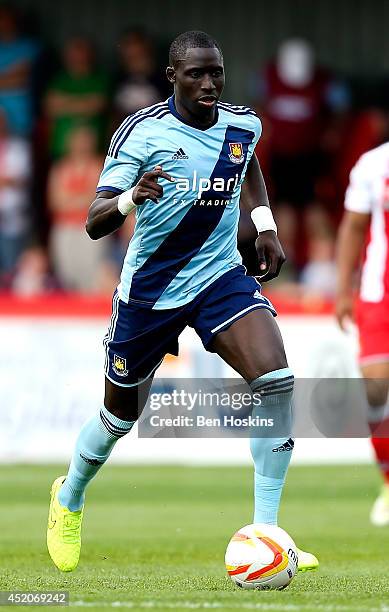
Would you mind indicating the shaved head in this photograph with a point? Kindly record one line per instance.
(193, 39)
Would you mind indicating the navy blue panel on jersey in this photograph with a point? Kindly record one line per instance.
(139, 338)
(184, 249)
(176, 251)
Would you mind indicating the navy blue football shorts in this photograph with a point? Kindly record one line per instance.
(139, 338)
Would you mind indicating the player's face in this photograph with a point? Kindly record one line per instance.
(199, 81)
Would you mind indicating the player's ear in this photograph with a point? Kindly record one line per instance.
(171, 74)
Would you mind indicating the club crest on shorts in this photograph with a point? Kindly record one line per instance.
(236, 152)
(119, 365)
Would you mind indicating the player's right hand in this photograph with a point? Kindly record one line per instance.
(148, 188)
(344, 310)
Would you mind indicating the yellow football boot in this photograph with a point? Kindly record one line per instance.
(63, 532)
(306, 561)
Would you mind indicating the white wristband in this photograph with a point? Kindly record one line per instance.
(125, 202)
(263, 219)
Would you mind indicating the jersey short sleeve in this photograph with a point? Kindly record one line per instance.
(255, 124)
(257, 128)
(124, 159)
(358, 195)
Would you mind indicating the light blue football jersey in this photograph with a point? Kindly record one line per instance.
(186, 241)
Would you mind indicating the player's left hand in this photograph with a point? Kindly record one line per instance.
(270, 255)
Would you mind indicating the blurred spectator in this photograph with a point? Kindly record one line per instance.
(319, 274)
(77, 95)
(79, 263)
(15, 169)
(300, 103)
(368, 129)
(17, 55)
(139, 84)
(32, 275)
(316, 282)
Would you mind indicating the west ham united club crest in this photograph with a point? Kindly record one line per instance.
(236, 152)
(119, 366)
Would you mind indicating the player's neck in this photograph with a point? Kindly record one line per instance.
(203, 121)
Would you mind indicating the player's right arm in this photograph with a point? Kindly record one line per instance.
(120, 189)
(351, 238)
(104, 216)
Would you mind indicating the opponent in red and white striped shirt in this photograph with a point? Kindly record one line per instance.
(365, 231)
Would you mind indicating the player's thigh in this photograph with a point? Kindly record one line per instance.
(376, 377)
(135, 344)
(252, 345)
(127, 403)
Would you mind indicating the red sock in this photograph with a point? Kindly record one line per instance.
(381, 449)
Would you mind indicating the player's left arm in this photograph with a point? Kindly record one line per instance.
(255, 200)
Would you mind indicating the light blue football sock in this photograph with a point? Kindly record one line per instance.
(272, 455)
(94, 445)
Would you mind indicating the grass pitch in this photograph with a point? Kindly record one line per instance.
(154, 538)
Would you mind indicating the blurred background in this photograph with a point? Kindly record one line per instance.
(316, 72)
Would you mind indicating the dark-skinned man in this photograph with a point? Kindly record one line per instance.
(181, 164)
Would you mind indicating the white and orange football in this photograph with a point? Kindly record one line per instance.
(262, 557)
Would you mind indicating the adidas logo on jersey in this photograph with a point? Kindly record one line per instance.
(258, 295)
(287, 446)
(180, 154)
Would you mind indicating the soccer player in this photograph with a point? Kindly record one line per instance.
(181, 163)
(365, 229)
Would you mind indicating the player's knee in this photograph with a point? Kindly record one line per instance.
(121, 412)
(270, 363)
(126, 403)
(376, 391)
